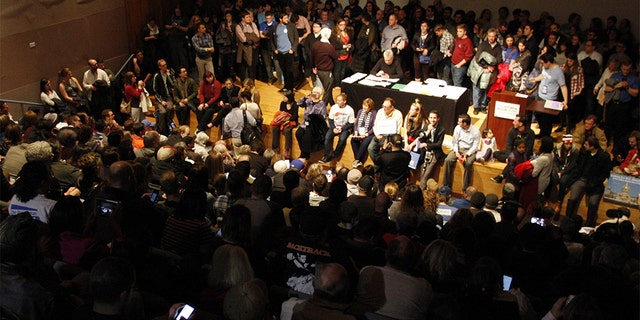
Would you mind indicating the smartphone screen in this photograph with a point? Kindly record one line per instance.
(185, 312)
(538, 221)
(154, 196)
(506, 282)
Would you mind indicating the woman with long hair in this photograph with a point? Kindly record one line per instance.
(209, 95)
(342, 40)
(49, 97)
(71, 91)
(414, 123)
(132, 92)
(288, 113)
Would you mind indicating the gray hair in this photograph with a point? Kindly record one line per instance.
(325, 33)
(388, 54)
(38, 151)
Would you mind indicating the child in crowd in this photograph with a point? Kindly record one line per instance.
(516, 157)
(488, 146)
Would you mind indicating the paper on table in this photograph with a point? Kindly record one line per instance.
(522, 95)
(372, 83)
(355, 77)
(376, 78)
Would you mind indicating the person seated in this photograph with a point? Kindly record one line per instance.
(341, 120)
(330, 297)
(589, 127)
(313, 126)
(391, 291)
(388, 67)
(631, 164)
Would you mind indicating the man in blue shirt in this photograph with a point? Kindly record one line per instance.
(266, 28)
(285, 42)
(618, 121)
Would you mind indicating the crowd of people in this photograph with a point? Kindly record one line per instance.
(108, 215)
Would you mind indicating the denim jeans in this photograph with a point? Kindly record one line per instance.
(328, 144)
(479, 98)
(458, 74)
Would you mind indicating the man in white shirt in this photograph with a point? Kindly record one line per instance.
(387, 114)
(91, 76)
(466, 139)
(341, 120)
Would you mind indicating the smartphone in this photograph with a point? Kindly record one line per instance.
(538, 221)
(106, 207)
(506, 282)
(155, 195)
(185, 312)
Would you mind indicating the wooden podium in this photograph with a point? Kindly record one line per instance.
(504, 106)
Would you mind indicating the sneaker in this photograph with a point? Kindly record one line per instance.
(323, 161)
(476, 111)
(484, 111)
(497, 179)
(356, 164)
(481, 160)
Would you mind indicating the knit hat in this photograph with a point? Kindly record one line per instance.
(354, 176)
(280, 166)
(165, 153)
(432, 185)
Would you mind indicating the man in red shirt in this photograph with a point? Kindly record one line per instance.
(461, 56)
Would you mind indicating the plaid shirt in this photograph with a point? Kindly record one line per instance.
(577, 83)
(201, 43)
(221, 204)
(446, 42)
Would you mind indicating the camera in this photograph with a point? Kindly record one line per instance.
(106, 207)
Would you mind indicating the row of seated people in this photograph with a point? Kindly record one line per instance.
(353, 244)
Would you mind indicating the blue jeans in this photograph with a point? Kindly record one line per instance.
(328, 144)
(360, 148)
(479, 98)
(458, 74)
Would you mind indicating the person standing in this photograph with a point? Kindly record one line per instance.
(552, 82)
(431, 139)
(625, 85)
(446, 41)
(466, 139)
(91, 76)
(163, 82)
(594, 165)
(248, 39)
(483, 69)
(461, 55)
(203, 45)
(285, 42)
(323, 53)
(266, 31)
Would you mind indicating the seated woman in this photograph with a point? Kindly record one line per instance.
(388, 67)
(250, 106)
(248, 85)
(312, 130)
(284, 121)
(50, 98)
(71, 91)
(209, 95)
(363, 132)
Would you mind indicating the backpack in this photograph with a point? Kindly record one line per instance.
(249, 132)
(523, 171)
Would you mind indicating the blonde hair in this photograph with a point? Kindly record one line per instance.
(230, 266)
(391, 188)
(313, 171)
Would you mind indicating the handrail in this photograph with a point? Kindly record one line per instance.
(123, 65)
(23, 103)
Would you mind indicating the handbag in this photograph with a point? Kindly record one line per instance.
(280, 118)
(436, 57)
(125, 107)
(425, 59)
(249, 132)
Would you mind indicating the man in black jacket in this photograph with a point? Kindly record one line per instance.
(521, 129)
(594, 165)
(393, 164)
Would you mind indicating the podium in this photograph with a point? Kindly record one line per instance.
(504, 107)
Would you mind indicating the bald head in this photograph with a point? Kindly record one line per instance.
(121, 175)
(331, 279)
